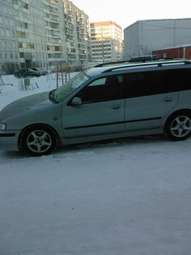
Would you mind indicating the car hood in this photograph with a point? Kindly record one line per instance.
(24, 104)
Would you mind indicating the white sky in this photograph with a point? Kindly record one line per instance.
(125, 12)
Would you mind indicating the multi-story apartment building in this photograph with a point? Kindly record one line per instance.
(106, 41)
(30, 33)
(23, 40)
(76, 34)
(42, 33)
(8, 43)
(53, 17)
(67, 29)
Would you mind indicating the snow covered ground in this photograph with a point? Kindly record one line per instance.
(125, 197)
(16, 88)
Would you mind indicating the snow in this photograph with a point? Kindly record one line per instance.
(16, 89)
(129, 196)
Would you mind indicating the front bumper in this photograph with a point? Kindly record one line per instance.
(9, 140)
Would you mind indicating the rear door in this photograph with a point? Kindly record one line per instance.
(148, 99)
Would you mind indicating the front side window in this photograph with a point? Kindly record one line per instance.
(102, 89)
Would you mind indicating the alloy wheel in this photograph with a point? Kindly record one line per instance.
(180, 126)
(39, 141)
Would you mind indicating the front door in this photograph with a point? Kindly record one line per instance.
(101, 111)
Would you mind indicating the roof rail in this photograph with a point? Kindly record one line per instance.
(143, 59)
(159, 64)
(112, 63)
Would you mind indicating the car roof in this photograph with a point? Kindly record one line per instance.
(124, 66)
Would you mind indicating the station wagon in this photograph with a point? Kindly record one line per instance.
(104, 102)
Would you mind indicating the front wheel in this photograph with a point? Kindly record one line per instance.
(38, 141)
(179, 126)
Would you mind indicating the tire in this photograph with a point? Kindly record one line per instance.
(178, 126)
(38, 141)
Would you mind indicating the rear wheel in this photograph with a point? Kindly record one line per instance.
(38, 141)
(179, 126)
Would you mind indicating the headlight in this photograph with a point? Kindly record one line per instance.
(3, 126)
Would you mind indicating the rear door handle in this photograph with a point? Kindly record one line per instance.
(168, 99)
(116, 107)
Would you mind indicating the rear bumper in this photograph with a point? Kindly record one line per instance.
(9, 140)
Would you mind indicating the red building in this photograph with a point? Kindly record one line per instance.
(173, 53)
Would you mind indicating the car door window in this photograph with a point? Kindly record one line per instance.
(102, 89)
(178, 79)
(98, 82)
(144, 84)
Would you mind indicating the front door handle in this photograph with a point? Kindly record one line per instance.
(116, 107)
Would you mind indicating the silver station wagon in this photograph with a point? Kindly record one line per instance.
(104, 102)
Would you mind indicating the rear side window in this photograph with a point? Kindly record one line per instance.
(156, 82)
(178, 79)
(144, 84)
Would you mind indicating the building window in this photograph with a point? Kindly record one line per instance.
(21, 54)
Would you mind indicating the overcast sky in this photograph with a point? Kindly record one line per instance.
(125, 12)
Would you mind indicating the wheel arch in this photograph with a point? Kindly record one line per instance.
(180, 111)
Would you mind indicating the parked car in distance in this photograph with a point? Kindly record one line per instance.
(40, 71)
(29, 72)
(104, 102)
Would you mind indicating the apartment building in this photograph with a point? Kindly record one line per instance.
(67, 30)
(30, 33)
(23, 41)
(76, 34)
(42, 33)
(53, 17)
(9, 56)
(106, 41)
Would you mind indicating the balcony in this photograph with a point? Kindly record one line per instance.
(52, 19)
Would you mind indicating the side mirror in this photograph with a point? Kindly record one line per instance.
(76, 101)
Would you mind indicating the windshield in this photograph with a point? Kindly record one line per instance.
(59, 94)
